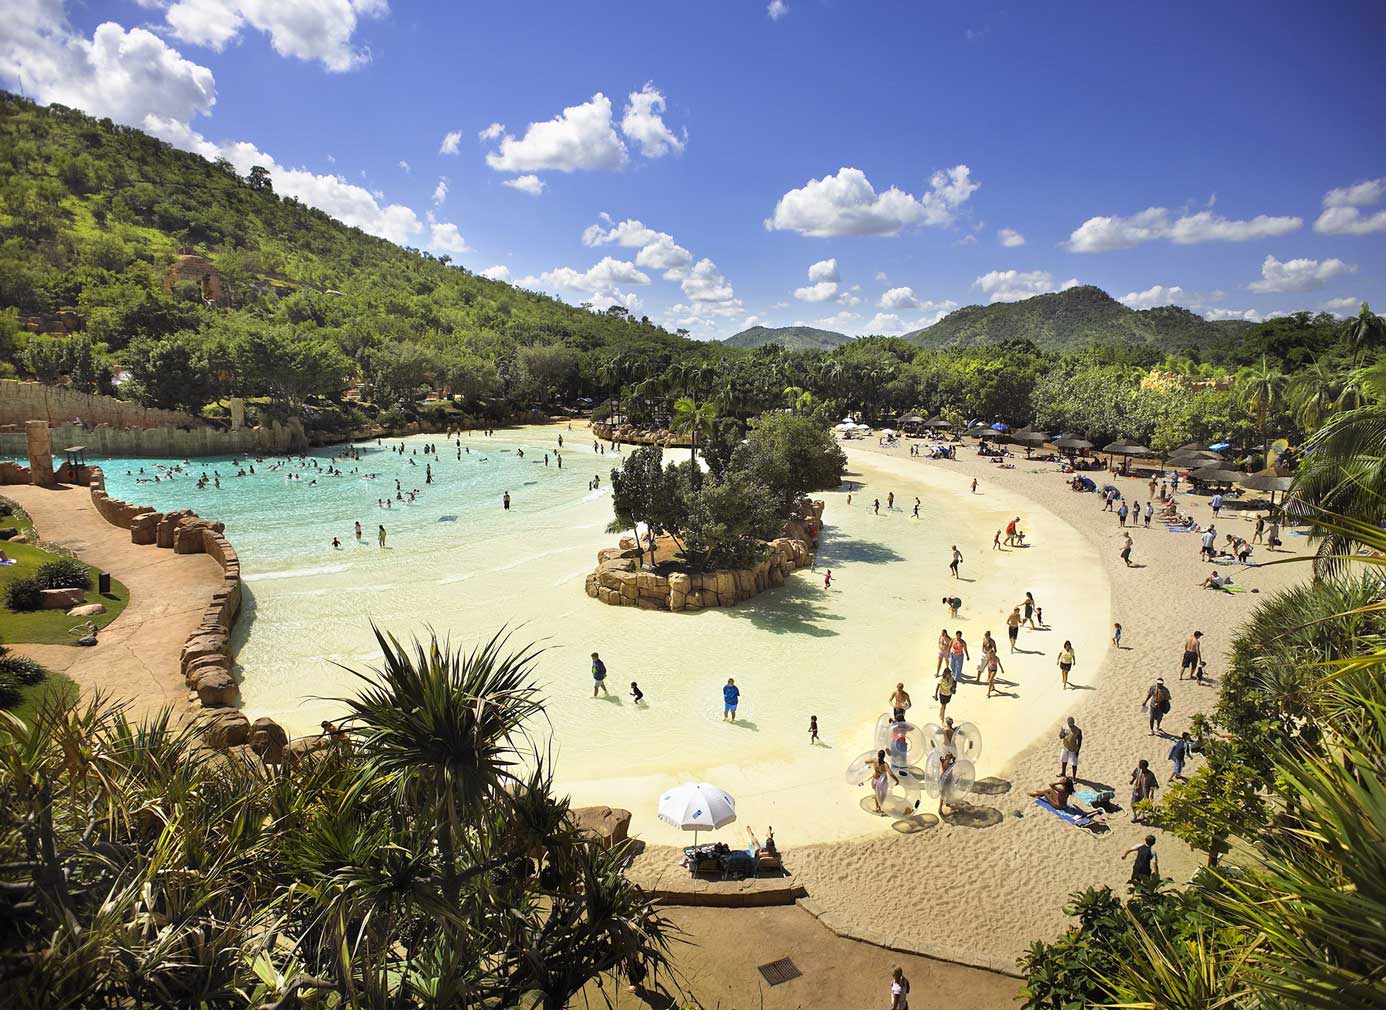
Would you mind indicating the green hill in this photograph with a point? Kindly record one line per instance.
(94, 215)
(791, 338)
(1071, 320)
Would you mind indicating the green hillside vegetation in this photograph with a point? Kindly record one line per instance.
(791, 338)
(1073, 319)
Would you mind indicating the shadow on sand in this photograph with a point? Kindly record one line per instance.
(991, 786)
(796, 608)
(965, 815)
(839, 550)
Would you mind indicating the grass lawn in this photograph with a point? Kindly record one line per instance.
(36, 694)
(47, 627)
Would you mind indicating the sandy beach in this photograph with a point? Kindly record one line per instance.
(1001, 871)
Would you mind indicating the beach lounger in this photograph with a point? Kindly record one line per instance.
(1094, 797)
(1064, 814)
(1233, 589)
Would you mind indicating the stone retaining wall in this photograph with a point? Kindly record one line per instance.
(167, 440)
(619, 582)
(35, 401)
(631, 435)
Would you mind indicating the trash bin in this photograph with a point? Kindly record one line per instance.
(103, 583)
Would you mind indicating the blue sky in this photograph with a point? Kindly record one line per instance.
(862, 166)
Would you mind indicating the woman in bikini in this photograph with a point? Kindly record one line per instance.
(945, 641)
(881, 779)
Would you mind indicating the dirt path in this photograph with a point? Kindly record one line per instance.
(136, 658)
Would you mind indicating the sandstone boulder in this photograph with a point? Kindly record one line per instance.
(268, 739)
(305, 748)
(61, 599)
(680, 583)
(608, 825)
(144, 527)
(227, 727)
(87, 610)
(217, 688)
(205, 664)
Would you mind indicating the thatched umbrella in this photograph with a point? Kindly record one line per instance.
(1218, 475)
(1267, 482)
(1072, 444)
(1031, 437)
(938, 422)
(1194, 460)
(1126, 449)
(980, 431)
(910, 422)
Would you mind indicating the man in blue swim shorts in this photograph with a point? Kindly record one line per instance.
(731, 694)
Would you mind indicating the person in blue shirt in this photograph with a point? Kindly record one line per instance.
(731, 694)
(1179, 753)
(598, 676)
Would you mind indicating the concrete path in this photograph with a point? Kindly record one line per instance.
(136, 658)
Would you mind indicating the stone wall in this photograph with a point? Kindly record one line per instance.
(166, 441)
(34, 401)
(631, 435)
(619, 582)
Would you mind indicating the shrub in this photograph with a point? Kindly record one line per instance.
(9, 691)
(63, 573)
(22, 669)
(23, 594)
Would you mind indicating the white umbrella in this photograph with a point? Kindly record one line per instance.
(846, 426)
(888, 431)
(697, 806)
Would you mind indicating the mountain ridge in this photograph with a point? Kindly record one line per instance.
(793, 338)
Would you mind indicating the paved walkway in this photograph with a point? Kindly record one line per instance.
(136, 658)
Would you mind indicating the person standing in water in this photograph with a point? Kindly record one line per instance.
(731, 697)
(380, 536)
(358, 531)
(505, 501)
(598, 676)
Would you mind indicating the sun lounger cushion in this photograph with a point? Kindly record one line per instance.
(1072, 816)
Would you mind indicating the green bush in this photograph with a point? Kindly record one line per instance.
(9, 691)
(63, 573)
(22, 669)
(23, 594)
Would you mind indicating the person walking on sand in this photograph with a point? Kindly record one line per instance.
(1260, 531)
(1066, 661)
(598, 676)
(916, 508)
(881, 778)
(636, 695)
(828, 579)
(731, 697)
(876, 506)
(1178, 754)
(947, 685)
(992, 664)
(1147, 864)
(957, 655)
(1193, 654)
(899, 990)
(974, 485)
(1116, 635)
(944, 641)
(1070, 743)
(1013, 623)
(1156, 705)
(1149, 511)
(1126, 545)
(1209, 541)
(1122, 513)
(1143, 786)
(996, 541)
(956, 562)
(380, 536)
(890, 501)
(899, 702)
(1030, 608)
(813, 730)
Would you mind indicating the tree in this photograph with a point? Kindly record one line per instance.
(425, 861)
(1220, 800)
(644, 492)
(259, 180)
(695, 420)
(1260, 388)
(1363, 331)
(171, 372)
(790, 455)
(729, 522)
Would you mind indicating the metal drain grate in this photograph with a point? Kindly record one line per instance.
(779, 971)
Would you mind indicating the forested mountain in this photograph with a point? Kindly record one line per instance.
(1073, 319)
(93, 215)
(791, 338)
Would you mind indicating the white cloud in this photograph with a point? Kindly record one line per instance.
(705, 283)
(843, 321)
(1156, 294)
(1010, 238)
(883, 277)
(899, 298)
(531, 184)
(1015, 285)
(1298, 275)
(824, 278)
(658, 250)
(450, 142)
(1341, 209)
(580, 138)
(777, 9)
(320, 30)
(404, 165)
(492, 132)
(885, 324)
(440, 191)
(499, 272)
(819, 292)
(1250, 315)
(605, 276)
(1102, 234)
(133, 77)
(1347, 306)
(847, 298)
(847, 204)
(643, 122)
(444, 235)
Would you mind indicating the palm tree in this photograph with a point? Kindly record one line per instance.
(1313, 392)
(1259, 390)
(695, 420)
(1363, 330)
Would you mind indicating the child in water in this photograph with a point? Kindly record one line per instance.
(813, 730)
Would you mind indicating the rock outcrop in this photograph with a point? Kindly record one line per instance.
(632, 435)
(608, 825)
(618, 580)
